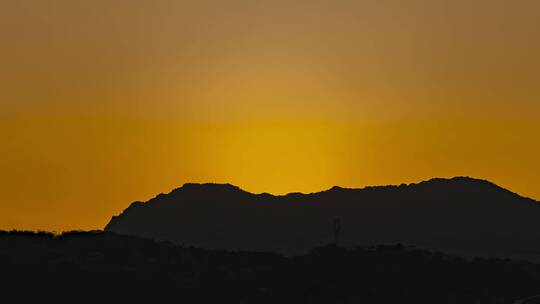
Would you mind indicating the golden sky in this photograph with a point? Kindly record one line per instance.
(106, 102)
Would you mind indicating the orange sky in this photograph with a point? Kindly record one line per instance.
(107, 102)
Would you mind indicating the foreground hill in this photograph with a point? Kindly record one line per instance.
(98, 267)
(460, 215)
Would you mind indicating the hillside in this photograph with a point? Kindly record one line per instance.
(460, 215)
(99, 267)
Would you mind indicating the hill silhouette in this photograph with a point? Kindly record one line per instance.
(461, 215)
(101, 267)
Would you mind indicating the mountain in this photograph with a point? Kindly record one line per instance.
(461, 215)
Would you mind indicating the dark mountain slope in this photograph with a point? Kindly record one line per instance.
(459, 215)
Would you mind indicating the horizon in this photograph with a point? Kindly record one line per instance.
(361, 188)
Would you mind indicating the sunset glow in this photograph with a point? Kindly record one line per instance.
(106, 102)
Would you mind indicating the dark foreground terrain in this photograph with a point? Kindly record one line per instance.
(101, 267)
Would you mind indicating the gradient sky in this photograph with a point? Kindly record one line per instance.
(106, 102)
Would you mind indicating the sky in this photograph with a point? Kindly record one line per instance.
(103, 103)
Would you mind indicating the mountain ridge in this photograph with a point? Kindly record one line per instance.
(232, 187)
(457, 214)
(192, 185)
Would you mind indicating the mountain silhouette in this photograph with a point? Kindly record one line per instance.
(461, 215)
